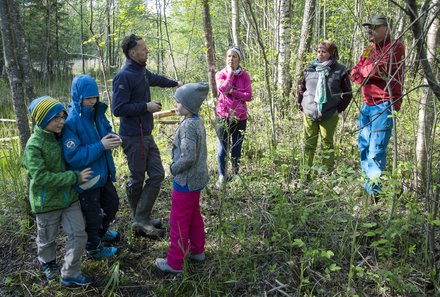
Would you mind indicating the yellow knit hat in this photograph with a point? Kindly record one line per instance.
(44, 109)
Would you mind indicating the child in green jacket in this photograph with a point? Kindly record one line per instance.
(52, 196)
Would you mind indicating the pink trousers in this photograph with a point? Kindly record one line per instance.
(187, 233)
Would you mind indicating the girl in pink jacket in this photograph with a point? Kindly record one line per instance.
(234, 88)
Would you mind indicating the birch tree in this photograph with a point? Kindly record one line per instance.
(8, 26)
(417, 24)
(304, 41)
(235, 23)
(427, 107)
(418, 21)
(284, 79)
(266, 71)
(209, 44)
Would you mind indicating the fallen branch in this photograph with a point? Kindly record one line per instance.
(165, 113)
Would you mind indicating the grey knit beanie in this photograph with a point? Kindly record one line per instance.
(192, 95)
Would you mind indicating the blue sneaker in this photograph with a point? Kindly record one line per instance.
(111, 236)
(81, 280)
(50, 269)
(103, 252)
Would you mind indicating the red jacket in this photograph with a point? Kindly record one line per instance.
(373, 69)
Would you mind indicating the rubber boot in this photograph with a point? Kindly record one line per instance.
(133, 195)
(133, 199)
(143, 224)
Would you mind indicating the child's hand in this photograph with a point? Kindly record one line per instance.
(111, 141)
(85, 175)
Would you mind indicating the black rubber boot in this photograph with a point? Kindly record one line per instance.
(143, 224)
(133, 195)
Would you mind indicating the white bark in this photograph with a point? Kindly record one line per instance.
(235, 23)
(304, 40)
(284, 79)
(427, 107)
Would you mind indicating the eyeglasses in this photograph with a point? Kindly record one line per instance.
(58, 118)
(132, 41)
(235, 49)
(374, 27)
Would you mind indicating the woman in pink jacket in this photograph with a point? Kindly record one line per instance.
(234, 88)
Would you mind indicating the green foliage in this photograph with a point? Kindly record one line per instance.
(270, 232)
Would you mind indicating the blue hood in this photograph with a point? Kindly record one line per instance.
(83, 86)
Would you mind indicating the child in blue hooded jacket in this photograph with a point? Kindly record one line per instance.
(87, 142)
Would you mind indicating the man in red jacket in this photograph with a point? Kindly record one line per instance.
(380, 73)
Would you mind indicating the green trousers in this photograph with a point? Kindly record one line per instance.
(326, 130)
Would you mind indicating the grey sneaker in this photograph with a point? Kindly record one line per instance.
(220, 181)
(162, 264)
(197, 257)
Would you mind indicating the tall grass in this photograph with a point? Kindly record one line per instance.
(268, 233)
(13, 186)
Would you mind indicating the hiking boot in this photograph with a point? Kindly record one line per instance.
(81, 281)
(102, 252)
(50, 269)
(111, 236)
(148, 230)
(198, 257)
(163, 266)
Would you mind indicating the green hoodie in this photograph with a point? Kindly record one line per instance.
(51, 185)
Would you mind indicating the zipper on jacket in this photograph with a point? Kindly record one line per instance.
(42, 196)
(66, 198)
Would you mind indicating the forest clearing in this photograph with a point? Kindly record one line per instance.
(279, 227)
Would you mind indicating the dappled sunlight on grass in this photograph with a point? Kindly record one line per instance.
(269, 230)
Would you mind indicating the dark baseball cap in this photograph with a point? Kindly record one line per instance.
(377, 20)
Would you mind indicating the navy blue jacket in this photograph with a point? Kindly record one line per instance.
(82, 133)
(131, 92)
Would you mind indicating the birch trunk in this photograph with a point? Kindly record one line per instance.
(235, 23)
(284, 79)
(209, 44)
(23, 58)
(304, 41)
(12, 69)
(417, 28)
(426, 112)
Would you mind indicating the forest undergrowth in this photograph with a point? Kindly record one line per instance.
(270, 233)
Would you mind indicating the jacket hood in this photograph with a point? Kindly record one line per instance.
(83, 86)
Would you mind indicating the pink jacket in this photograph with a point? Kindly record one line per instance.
(234, 90)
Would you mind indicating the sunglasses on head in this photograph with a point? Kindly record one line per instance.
(234, 47)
